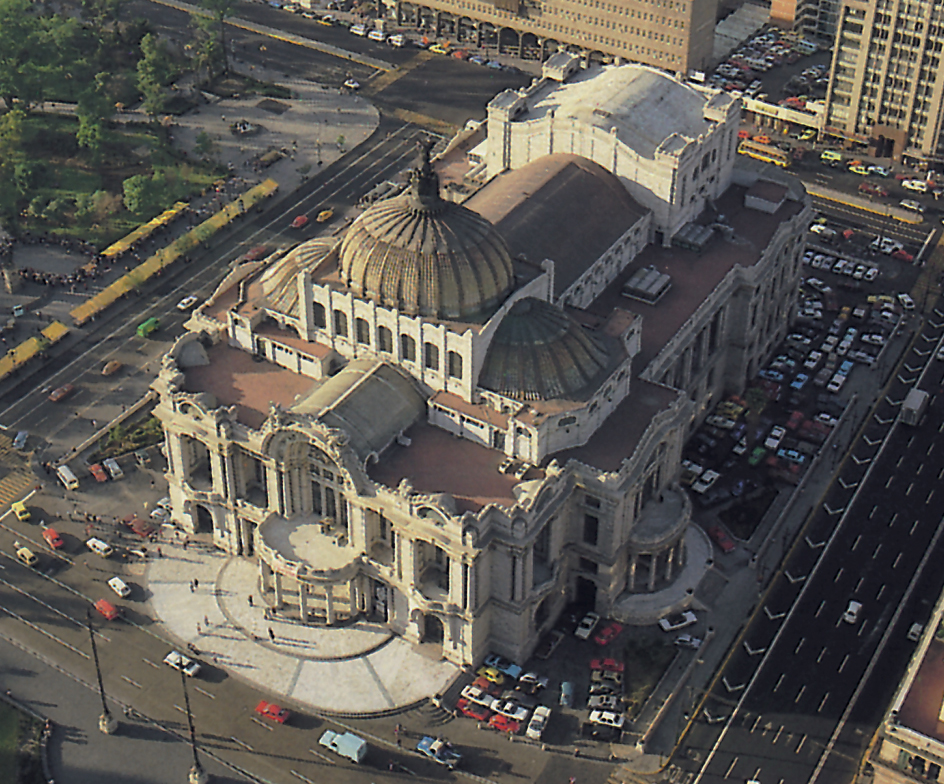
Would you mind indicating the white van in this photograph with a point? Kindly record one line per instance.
(120, 587)
(358, 30)
(397, 40)
(376, 35)
(98, 546)
(113, 469)
(67, 478)
(21, 438)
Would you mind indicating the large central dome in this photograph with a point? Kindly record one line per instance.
(426, 256)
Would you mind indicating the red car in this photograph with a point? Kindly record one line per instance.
(473, 711)
(300, 221)
(795, 420)
(487, 686)
(256, 253)
(902, 255)
(98, 472)
(504, 724)
(608, 633)
(142, 528)
(52, 538)
(272, 711)
(607, 665)
(721, 538)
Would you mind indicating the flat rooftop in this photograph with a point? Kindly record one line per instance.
(235, 379)
(439, 462)
(922, 705)
(694, 275)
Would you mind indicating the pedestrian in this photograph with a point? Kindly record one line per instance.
(196, 583)
(206, 621)
(191, 587)
(250, 600)
(159, 553)
(198, 628)
(271, 634)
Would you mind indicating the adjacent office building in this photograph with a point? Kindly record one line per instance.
(886, 86)
(675, 35)
(813, 18)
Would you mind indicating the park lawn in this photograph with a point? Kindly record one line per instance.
(646, 663)
(9, 741)
(126, 151)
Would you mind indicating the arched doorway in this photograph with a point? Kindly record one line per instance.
(204, 521)
(542, 613)
(586, 593)
(433, 630)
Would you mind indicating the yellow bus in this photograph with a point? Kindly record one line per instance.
(764, 152)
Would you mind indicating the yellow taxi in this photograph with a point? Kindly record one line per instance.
(21, 512)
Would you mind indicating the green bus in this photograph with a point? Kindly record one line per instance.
(145, 328)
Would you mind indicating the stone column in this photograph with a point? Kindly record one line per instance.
(669, 563)
(329, 604)
(633, 563)
(278, 589)
(286, 485)
(352, 589)
(303, 601)
(653, 564)
(264, 573)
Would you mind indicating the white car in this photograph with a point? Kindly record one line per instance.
(813, 359)
(120, 587)
(873, 339)
(509, 708)
(826, 419)
(705, 481)
(187, 302)
(906, 301)
(607, 718)
(538, 722)
(160, 514)
(919, 186)
(672, 623)
(871, 273)
(586, 626)
(603, 702)
(478, 696)
(687, 641)
(911, 204)
(352, 84)
(185, 664)
(851, 615)
(776, 436)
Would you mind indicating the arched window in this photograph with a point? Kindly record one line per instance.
(408, 348)
(362, 331)
(385, 340)
(455, 365)
(431, 356)
(318, 315)
(340, 323)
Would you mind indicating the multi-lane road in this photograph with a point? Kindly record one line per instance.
(803, 690)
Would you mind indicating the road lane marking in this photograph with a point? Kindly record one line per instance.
(882, 589)
(858, 584)
(148, 661)
(43, 632)
(843, 663)
(913, 526)
(266, 726)
(819, 609)
(779, 681)
(873, 511)
(819, 658)
(799, 645)
(298, 775)
(777, 736)
(177, 707)
(889, 481)
(204, 693)
(132, 682)
(930, 496)
(877, 549)
(754, 725)
(822, 702)
(730, 767)
(244, 745)
(892, 521)
(897, 559)
(322, 756)
(838, 575)
(910, 487)
(800, 746)
(799, 694)
(855, 543)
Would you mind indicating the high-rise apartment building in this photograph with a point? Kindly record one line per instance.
(675, 35)
(886, 84)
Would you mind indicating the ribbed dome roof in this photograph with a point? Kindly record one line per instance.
(426, 256)
(539, 352)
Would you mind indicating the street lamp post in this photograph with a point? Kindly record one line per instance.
(197, 774)
(107, 723)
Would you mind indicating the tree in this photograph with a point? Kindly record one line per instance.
(211, 26)
(20, 58)
(204, 144)
(138, 193)
(92, 109)
(154, 72)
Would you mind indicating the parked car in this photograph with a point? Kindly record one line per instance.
(502, 664)
(567, 694)
(687, 641)
(672, 623)
(775, 437)
(538, 723)
(120, 587)
(607, 718)
(439, 750)
(720, 537)
(586, 626)
(504, 724)
(610, 631)
(184, 664)
(52, 538)
(603, 702)
(509, 708)
(607, 665)
(473, 710)
(491, 674)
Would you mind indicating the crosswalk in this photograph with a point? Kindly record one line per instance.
(15, 476)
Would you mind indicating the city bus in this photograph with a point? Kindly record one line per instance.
(764, 152)
(145, 328)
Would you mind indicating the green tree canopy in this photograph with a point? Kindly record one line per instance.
(211, 52)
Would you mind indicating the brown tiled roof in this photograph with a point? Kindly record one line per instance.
(922, 703)
(561, 207)
(438, 462)
(236, 380)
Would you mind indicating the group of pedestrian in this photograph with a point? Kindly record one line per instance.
(194, 584)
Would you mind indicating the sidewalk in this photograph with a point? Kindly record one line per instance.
(364, 670)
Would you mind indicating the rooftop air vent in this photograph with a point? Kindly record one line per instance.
(647, 285)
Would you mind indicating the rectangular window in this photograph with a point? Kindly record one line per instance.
(591, 529)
